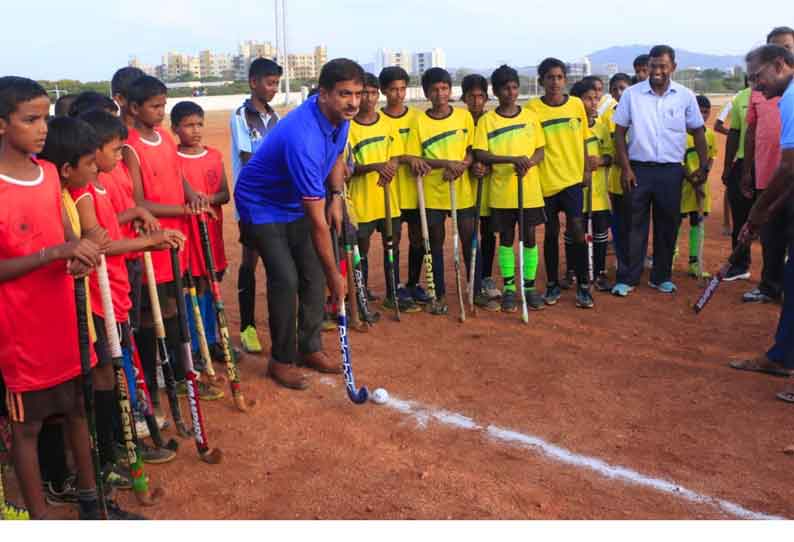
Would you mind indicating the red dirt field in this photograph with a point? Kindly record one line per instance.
(639, 383)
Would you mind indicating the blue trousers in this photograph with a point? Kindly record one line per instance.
(783, 350)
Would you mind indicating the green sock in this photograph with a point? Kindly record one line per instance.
(531, 259)
(507, 265)
(694, 243)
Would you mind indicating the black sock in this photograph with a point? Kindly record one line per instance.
(570, 257)
(88, 501)
(365, 271)
(146, 341)
(52, 455)
(579, 253)
(415, 257)
(105, 404)
(246, 285)
(175, 347)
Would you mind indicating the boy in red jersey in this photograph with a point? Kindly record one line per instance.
(151, 157)
(202, 167)
(43, 377)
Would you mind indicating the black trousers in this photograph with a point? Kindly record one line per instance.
(658, 188)
(295, 286)
(774, 244)
(740, 210)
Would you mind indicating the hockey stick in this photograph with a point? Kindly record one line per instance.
(701, 196)
(204, 348)
(165, 360)
(140, 483)
(390, 250)
(589, 235)
(365, 315)
(84, 342)
(431, 285)
(211, 456)
(524, 308)
(232, 371)
(358, 396)
(144, 401)
(714, 283)
(453, 201)
(475, 245)
(356, 321)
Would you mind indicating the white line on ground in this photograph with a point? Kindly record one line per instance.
(423, 414)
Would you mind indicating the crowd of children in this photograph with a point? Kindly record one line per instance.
(100, 193)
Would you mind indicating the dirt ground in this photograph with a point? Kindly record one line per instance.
(638, 382)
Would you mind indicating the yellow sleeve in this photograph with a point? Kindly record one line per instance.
(586, 132)
(469, 130)
(481, 136)
(540, 135)
(413, 147)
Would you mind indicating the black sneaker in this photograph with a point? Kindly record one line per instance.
(66, 496)
(419, 295)
(156, 456)
(757, 296)
(440, 308)
(116, 477)
(509, 302)
(602, 284)
(487, 303)
(584, 300)
(737, 273)
(90, 512)
(406, 305)
(534, 300)
(568, 281)
(553, 294)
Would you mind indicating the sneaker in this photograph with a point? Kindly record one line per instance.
(757, 296)
(568, 280)
(553, 294)
(666, 287)
(737, 273)
(216, 353)
(490, 289)
(250, 341)
(419, 295)
(114, 512)
(371, 296)
(141, 429)
(694, 272)
(11, 512)
(440, 308)
(602, 284)
(622, 290)
(66, 496)
(207, 392)
(584, 299)
(114, 477)
(509, 302)
(403, 293)
(534, 300)
(155, 456)
(406, 305)
(371, 317)
(486, 302)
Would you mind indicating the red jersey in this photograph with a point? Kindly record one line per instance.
(117, 268)
(118, 184)
(38, 318)
(204, 172)
(162, 183)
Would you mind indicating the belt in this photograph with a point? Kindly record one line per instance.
(636, 163)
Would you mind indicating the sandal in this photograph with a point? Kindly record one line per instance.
(768, 367)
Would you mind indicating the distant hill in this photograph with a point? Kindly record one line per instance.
(624, 57)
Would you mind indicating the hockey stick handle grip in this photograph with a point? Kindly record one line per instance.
(154, 296)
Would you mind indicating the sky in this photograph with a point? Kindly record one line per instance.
(88, 42)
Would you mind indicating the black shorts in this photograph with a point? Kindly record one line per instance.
(366, 229)
(165, 291)
(37, 406)
(410, 216)
(439, 216)
(570, 201)
(506, 219)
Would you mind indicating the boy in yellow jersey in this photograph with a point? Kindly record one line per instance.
(621, 214)
(696, 197)
(375, 149)
(564, 123)
(511, 140)
(600, 146)
(475, 96)
(393, 84)
(442, 137)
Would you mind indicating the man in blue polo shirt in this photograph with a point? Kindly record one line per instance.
(281, 200)
(771, 71)
(249, 125)
(659, 112)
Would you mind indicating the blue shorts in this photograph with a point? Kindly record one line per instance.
(570, 201)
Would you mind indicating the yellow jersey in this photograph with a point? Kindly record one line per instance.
(565, 129)
(485, 209)
(73, 215)
(443, 139)
(613, 182)
(372, 144)
(405, 180)
(600, 144)
(520, 135)
(689, 202)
